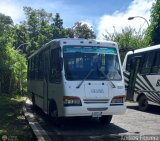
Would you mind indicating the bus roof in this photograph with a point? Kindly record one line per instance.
(144, 49)
(86, 41)
(78, 41)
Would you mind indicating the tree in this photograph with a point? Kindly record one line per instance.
(58, 30)
(127, 40)
(5, 32)
(38, 28)
(69, 33)
(5, 20)
(9, 57)
(82, 30)
(17, 71)
(21, 37)
(153, 31)
(41, 27)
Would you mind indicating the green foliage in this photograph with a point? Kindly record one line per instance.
(37, 28)
(127, 40)
(153, 31)
(57, 27)
(80, 30)
(4, 20)
(9, 76)
(83, 31)
(20, 37)
(69, 33)
(14, 72)
(18, 70)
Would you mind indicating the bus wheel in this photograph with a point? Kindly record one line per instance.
(105, 120)
(53, 112)
(143, 103)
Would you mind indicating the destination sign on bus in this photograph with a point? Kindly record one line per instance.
(100, 50)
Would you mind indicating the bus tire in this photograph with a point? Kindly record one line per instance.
(143, 103)
(105, 120)
(53, 112)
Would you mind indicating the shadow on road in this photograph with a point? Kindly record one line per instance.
(83, 126)
(78, 126)
(152, 109)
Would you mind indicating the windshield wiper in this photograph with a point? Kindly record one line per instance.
(79, 85)
(107, 78)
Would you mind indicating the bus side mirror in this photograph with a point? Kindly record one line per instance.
(60, 66)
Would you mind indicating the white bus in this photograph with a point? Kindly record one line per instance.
(141, 70)
(77, 77)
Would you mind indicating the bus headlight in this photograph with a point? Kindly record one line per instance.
(118, 99)
(71, 101)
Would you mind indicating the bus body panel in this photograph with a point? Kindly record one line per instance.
(85, 110)
(36, 87)
(56, 93)
(94, 102)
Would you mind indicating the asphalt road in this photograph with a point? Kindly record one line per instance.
(133, 122)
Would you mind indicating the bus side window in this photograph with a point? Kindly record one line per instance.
(29, 69)
(36, 67)
(156, 65)
(32, 69)
(147, 63)
(40, 66)
(55, 74)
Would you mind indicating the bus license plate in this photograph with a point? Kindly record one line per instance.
(96, 114)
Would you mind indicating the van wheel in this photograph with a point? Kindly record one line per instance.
(143, 103)
(105, 120)
(53, 112)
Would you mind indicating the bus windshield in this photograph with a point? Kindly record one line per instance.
(91, 63)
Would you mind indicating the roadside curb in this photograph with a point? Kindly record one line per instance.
(38, 131)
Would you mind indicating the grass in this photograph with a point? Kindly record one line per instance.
(12, 120)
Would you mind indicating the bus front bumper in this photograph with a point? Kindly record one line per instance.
(89, 111)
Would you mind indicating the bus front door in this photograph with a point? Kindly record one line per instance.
(135, 63)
